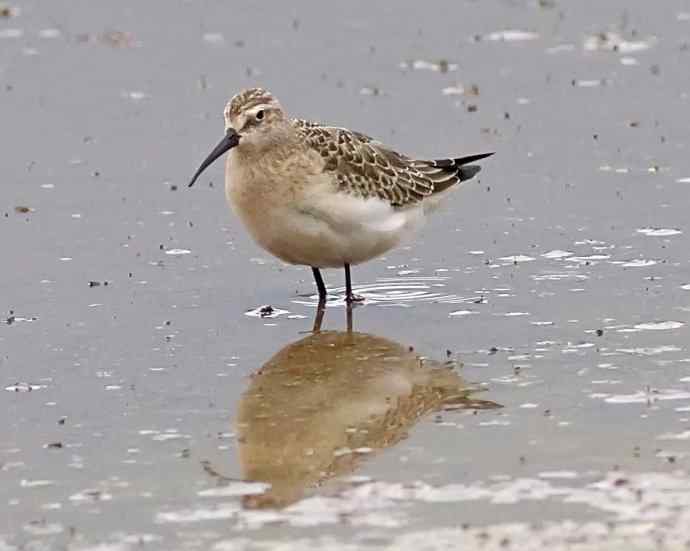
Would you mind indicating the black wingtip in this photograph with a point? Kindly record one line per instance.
(472, 158)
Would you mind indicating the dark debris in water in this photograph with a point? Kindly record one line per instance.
(266, 311)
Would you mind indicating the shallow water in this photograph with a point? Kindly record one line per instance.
(133, 349)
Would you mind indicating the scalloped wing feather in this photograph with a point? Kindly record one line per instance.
(365, 168)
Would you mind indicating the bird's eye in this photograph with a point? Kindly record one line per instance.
(259, 115)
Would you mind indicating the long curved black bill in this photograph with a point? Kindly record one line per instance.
(230, 140)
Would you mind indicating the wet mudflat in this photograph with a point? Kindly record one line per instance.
(520, 372)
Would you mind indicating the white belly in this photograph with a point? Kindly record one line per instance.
(322, 228)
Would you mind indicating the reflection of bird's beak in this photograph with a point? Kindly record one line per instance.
(230, 140)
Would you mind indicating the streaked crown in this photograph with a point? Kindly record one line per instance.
(248, 100)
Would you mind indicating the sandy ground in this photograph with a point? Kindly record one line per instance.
(144, 399)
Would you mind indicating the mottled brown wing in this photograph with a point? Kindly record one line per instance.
(365, 168)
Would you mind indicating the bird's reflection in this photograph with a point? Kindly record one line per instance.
(323, 403)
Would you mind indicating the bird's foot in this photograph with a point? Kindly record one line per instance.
(352, 298)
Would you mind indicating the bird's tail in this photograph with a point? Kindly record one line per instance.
(458, 170)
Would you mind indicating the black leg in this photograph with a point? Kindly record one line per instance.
(350, 297)
(348, 285)
(319, 284)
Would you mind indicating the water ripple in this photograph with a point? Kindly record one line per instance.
(396, 290)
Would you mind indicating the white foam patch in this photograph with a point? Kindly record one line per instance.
(588, 259)
(650, 350)
(516, 259)
(42, 528)
(645, 397)
(214, 38)
(559, 276)
(184, 516)
(557, 253)
(24, 387)
(35, 483)
(423, 65)
(685, 435)
(659, 325)
(511, 35)
(238, 488)
(614, 42)
(178, 252)
(460, 313)
(639, 263)
(659, 232)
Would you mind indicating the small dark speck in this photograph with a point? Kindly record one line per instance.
(10, 320)
(54, 445)
(161, 247)
(266, 310)
(493, 350)
(62, 420)
(173, 187)
(94, 283)
(599, 332)
(472, 108)
(655, 70)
